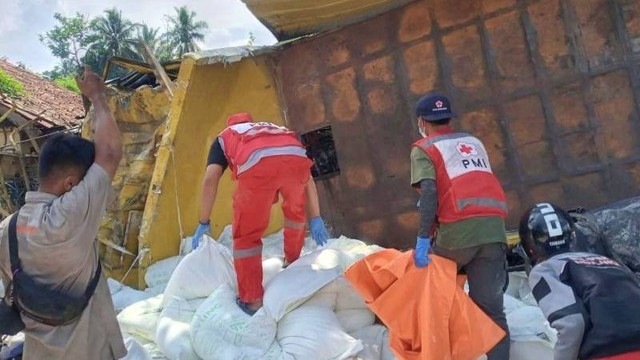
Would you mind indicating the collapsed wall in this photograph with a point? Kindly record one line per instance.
(141, 115)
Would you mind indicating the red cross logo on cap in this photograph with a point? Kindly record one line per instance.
(439, 104)
(466, 149)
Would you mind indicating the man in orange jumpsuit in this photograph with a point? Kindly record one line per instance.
(265, 160)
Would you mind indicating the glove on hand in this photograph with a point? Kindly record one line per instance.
(420, 254)
(201, 230)
(319, 232)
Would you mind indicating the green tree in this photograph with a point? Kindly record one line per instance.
(252, 39)
(112, 35)
(68, 41)
(68, 82)
(156, 41)
(10, 86)
(184, 31)
(150, 36)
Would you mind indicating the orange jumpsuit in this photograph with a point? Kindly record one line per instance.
(267, 161)
(257, 190)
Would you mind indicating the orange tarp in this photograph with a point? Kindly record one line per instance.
(428, 314)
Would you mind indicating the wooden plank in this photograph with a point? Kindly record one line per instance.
(132, 230)
(5, 194)
(25, 176)
(158, 70)
(23, 167)
(116, 247)
(28, 123)
(38, 117)
(132, 65)
(6, 115)
(33, 141)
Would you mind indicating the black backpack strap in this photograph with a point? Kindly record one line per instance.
(17, 266)
(13, 244)
(91, 288)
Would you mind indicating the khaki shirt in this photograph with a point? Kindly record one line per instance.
(57, 246)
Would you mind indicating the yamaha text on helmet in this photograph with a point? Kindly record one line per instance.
(545, 230)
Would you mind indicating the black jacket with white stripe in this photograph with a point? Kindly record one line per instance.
(592, 302)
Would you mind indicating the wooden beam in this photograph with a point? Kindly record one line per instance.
(129, 64)
(38, 117)
(31, 139)
(25, 176)
(6, 115)
(23, 167)
(158, 70)
(5, 194)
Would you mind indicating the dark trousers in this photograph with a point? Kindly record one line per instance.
(485, 267)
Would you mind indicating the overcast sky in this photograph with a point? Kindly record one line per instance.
(23, 20)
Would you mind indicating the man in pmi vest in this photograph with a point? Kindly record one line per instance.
(462, 208)
(266, 160)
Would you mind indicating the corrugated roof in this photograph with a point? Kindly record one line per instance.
(292, 18)
(227, 55)
(55, 106)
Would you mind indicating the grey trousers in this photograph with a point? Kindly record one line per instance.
(485, 266)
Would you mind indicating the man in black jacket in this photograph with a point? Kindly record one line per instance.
(589, 299)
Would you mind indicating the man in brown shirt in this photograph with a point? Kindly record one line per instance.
(57, 230)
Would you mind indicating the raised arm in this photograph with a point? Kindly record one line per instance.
(107, 135)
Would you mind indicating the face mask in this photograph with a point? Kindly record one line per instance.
(421, 130)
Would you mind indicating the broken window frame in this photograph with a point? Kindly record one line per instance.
(328, 165)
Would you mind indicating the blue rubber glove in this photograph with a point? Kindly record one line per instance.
(319, 232)
(201, 230)
(421, 253)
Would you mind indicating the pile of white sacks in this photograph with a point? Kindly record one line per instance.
(310, 312)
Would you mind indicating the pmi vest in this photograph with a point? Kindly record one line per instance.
(245, 144)
(466, 186)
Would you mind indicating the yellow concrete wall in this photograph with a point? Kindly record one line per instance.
(205, 96)
(141, 115)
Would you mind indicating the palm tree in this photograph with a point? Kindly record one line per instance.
(157, 43)
(184, 31)
(150, 36)
(112, 35)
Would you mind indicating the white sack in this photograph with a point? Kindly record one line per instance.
(325, 297)
(351, 310)
(141, 318)
(154, 352)
(201, 272)
(299, 281)
(156, 290)
(511, 304)
(173, 330)
(348, 298)
(221, 330)
(135, 350)
(519, 288)
(270, 268)
(313, 333)
(159, 273)
(375, 340)
(355, 319)
(530, 350)
(351, 250)
(272, 245)
(124, 296)
(528, 324)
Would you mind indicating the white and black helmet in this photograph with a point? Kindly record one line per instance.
(545, 230)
